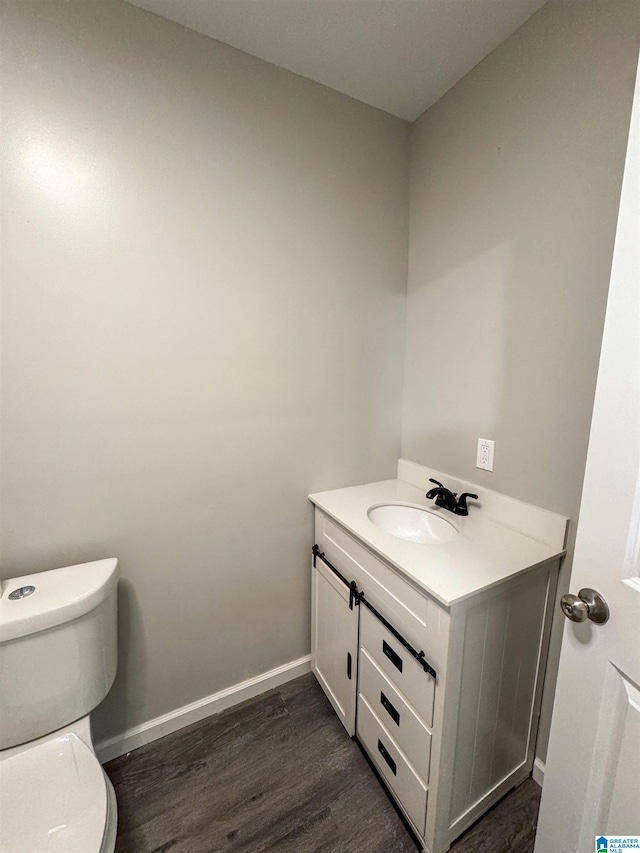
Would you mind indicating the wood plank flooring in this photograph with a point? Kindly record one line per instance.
(279, 773)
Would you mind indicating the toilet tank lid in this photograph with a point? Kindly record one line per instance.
(60, 595)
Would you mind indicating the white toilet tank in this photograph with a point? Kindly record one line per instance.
(58, 648)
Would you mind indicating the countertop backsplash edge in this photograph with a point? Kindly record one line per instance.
(533, 521)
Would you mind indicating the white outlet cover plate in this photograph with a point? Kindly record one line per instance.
(484, 458)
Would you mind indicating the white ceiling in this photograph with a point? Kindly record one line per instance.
(398, 55)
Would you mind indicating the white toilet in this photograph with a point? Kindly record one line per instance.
(58, 658)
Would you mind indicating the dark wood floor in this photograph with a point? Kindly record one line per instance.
(279, 773)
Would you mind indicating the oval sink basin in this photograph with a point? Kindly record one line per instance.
(413, 523)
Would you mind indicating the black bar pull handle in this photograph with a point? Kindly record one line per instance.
(385, 754)
(349, 665)
(389, 708)
(394, 657)
(357, 597)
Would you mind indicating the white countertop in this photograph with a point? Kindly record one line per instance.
(485, 553)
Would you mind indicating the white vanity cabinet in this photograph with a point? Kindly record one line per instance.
(443, 699)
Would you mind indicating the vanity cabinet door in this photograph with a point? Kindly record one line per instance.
(334, 642)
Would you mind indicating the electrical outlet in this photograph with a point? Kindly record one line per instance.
(484, 459)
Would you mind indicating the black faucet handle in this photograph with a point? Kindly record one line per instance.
(433, 492)
(461, 508)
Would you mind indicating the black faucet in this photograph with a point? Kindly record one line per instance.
(446, 499)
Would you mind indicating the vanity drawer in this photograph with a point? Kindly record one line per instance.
(392, 765)
(402, 722)
(400, 667)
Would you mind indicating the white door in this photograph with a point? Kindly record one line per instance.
(592, 781)
(334, 642)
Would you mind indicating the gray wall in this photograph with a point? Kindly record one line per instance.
(515, 184)
(204, 269)
(204, 273)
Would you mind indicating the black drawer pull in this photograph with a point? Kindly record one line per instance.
(383, 752)
(349, 665)
(395, 659)
(391, 711)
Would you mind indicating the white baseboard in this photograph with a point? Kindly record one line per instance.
(538, 771)
(166, 724)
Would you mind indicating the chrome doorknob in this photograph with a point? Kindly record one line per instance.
(587, 604)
